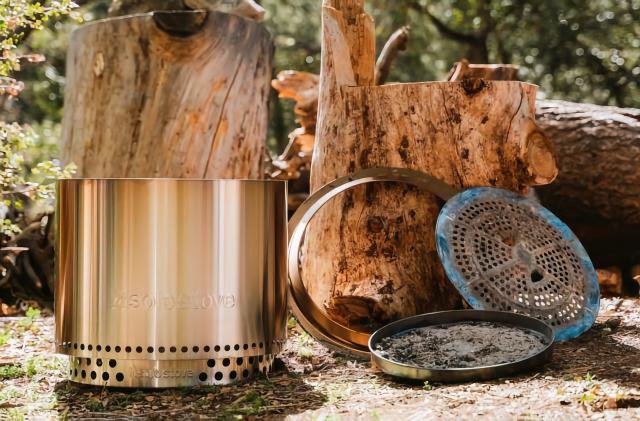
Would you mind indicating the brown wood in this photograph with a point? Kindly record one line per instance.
(397, 42)
(370, 254)
(597, 192)
(140, 102)
(464, 70)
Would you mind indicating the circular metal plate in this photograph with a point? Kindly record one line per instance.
(312, 318)
(461, 374)
(505, 252)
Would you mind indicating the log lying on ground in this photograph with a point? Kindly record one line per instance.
(598, 189)
(370, 253)
(143, 102)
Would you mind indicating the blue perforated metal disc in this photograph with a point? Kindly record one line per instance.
(505, 252)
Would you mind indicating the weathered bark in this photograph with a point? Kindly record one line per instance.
(370, 254)
(597, 192)
(598, 189)
(161, 105)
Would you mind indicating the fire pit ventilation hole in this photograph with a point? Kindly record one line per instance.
(226, 371)
(505, 252)
(536, 276)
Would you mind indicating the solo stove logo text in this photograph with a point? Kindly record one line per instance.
(158, 374)
(183, 301)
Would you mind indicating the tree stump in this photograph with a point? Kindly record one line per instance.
(370, 254)
(141, 101)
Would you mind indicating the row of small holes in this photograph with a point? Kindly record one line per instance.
(161, 349)
(202, 376)
(232, 374)
(211, 363)
(94, 375)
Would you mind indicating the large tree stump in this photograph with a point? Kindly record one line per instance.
(143, 102)
(370, 254)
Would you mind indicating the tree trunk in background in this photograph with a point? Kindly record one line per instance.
(598, 188)
(142, 102)
(370, 254)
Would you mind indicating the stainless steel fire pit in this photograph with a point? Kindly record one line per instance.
(166, 282)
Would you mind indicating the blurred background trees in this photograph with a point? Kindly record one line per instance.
(579, 50)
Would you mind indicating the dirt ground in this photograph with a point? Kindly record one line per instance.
(594, 377)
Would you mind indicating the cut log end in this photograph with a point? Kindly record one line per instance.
(540, 158)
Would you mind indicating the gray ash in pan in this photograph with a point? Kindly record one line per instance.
(461, 345)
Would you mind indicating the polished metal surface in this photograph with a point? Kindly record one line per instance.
(170, 282)
(461, 374)
(311, 317)
(505, 252)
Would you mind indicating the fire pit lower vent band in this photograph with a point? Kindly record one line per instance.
(170, 283)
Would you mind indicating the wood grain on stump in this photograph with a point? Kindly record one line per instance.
(370, 254)
(142, 102)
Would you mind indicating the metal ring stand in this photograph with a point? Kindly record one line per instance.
(312, 318)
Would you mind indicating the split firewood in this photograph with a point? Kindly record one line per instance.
(610, 280)
(302, 87)
(370, 253)
(597, 190)
(28, 265)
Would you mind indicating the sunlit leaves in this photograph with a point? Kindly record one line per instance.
(18, 182)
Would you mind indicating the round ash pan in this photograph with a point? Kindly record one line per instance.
(447, 358)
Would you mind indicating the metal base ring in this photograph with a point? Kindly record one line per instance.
(167, 373)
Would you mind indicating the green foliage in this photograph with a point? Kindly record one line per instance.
(23, 179)
(18, 17)
(94, 405)
(8, 372)
(30, 316)
(30, 367)
(5, 336)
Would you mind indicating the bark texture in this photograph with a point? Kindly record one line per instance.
(597, 191)
(370, 254)
(141, 102)
(598, 188)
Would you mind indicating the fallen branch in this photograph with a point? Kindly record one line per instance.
(397, 42)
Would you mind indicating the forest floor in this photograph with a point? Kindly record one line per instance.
(596, 376)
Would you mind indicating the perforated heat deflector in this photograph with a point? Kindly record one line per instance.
(505, 252)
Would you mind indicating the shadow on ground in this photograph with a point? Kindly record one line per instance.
(279, 395)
